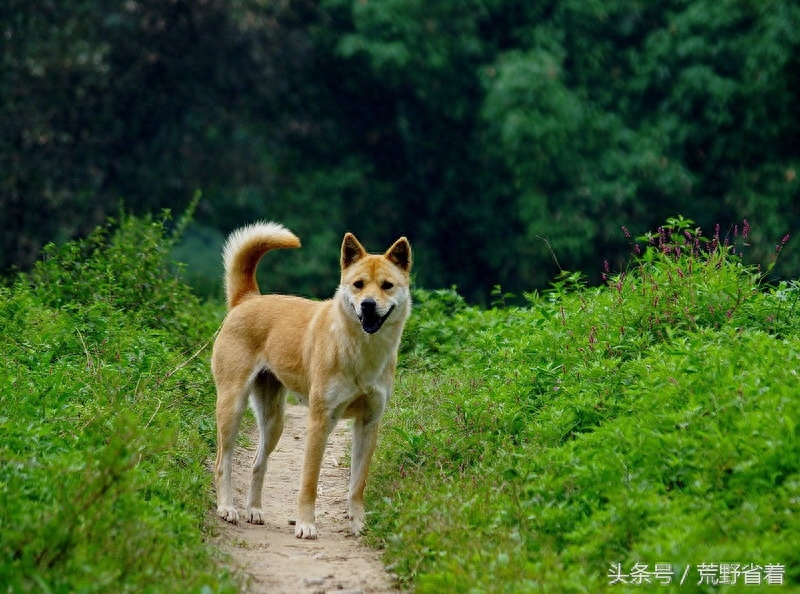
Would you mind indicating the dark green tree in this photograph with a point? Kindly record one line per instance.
(488, 131)
(506, 123)
(145, 102)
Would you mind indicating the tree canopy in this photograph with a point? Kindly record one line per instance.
(490, 132)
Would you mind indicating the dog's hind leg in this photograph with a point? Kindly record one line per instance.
(268, 399)
(230, 407)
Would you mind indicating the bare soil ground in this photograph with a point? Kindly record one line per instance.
(270, 555)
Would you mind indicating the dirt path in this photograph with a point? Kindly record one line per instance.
(277, 562)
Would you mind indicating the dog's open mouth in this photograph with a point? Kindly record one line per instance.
(370, 320)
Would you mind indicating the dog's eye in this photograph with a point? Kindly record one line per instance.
(386, 285)
(359, 284)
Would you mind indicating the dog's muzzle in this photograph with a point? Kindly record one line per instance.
(370, 320)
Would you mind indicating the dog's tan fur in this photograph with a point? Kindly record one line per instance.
(338, 356)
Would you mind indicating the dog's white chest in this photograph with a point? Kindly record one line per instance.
(367, 365)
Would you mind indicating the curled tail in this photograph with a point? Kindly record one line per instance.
(241, 254)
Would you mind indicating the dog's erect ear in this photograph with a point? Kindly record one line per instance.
(352, 251)
(400, 254)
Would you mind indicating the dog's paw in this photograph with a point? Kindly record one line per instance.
(307, 530)
(228, 513)
(357, 517)
(254, 515)
(357, 526)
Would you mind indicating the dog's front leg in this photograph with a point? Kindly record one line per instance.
(319, 428)
(365, 438)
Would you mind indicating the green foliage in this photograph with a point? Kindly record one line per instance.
(570, 116)
(144, 100)
(478, 128)
(651, 420)
(107, 421)
(125, 267)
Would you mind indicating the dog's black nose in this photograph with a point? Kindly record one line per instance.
(368, 307)
(371, 321)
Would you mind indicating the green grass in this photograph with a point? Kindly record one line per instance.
(106, 417)
(652, 420)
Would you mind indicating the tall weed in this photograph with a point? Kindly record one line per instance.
(106, 416)
(651, 420)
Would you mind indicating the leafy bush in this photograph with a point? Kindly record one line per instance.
(106, 415)
(652, 420)
(124, 266)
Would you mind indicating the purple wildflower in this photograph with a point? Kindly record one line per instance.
(783, 242)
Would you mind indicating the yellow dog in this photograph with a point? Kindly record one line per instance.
(339, 356)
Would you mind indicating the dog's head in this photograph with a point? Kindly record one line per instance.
(375, 288)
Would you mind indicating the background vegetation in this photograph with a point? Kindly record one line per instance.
(107, 422)
(474, 127)
(652, 418)
(650, 421)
